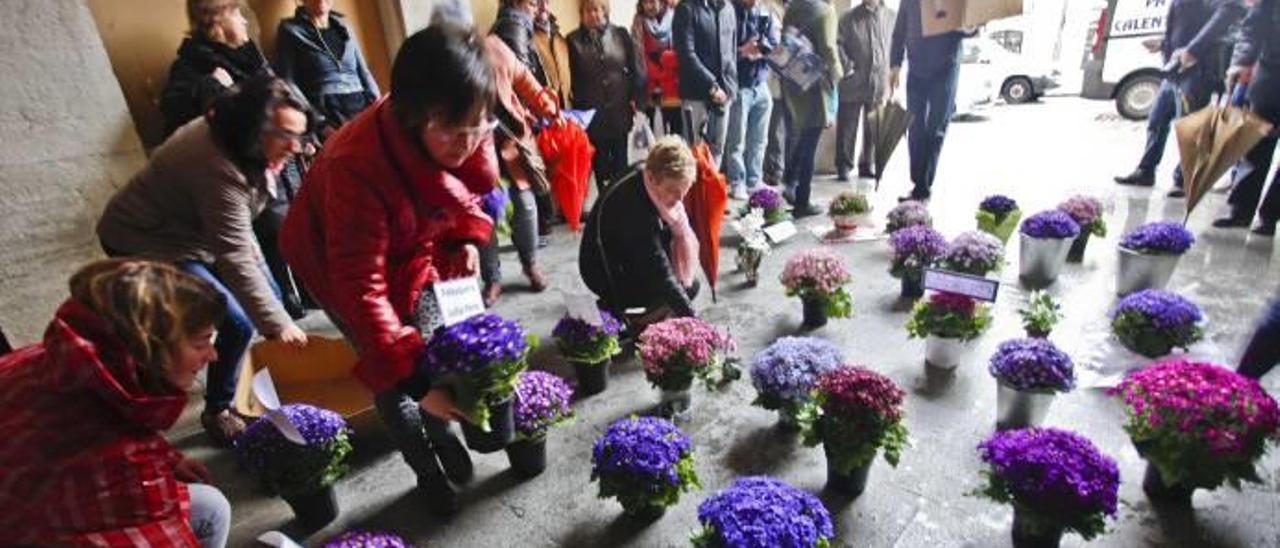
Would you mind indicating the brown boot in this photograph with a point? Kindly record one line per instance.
(490, 294)
(536, 280)
(222, 426)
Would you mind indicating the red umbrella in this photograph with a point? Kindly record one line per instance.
(706, 203)
(567, 152)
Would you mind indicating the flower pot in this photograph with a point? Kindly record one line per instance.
(1034, 534)
(853, 483)
(787, 422)
(1020, 408)
(528, 457)
(1076, 255)
(593, 378)
(1037, 334)
(912, 287)
(1041, 259)
(675, 404)
(644, 513)
(1157, 490)
(1137, 271)
(501, 429)
(1003, 229)
(945, 353)
(846, 224)
(315, 510)
(815, 312)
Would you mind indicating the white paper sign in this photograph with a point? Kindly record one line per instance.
(983, 289)
(780, 232)
(583, 307)
(265, 390)
(458, 299)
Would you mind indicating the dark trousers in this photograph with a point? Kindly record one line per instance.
(931, 99)
(1263, 351)
(1251, 175)
(848, 117)
(1168, 107)
(781, 140)
(267, 228)
(800, 165)
(672, 120)
(610, 160)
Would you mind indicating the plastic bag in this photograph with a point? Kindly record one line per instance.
(640, 140)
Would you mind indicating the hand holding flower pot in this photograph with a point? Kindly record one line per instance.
(1040, 315)
(645, 463)
(907, 214)
(1057, 481)
(855, 413)
(848, 210)
(915, 248)
(1029, 373)
(1153, 322)
(1149, 255)
(974, 252)
(542, 401)
(763, 511)
(818, 277)
(590, 348)
(302, 474)
(998, 215)
(1086, 211)
(1046, 240)
(1199, 425)
(948, 322)
(677, 351)
(785, 374)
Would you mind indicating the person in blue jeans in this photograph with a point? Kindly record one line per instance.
(757, 35)
(1263, 352)
(934, 63)
(1192, 50)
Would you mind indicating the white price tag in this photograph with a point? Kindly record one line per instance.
(583, 307)
(265, 390)
(780, 232)
(459, 299)
(977, 287)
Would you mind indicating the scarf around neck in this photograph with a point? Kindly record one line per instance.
(684, 243)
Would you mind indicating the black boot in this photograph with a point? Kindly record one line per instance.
(1139, 177)
(449, 449)
(440, 497)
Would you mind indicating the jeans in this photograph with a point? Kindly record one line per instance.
(1168, 107)
(799, 171)
(1252, 169)
(746, 140)
(234, 334)
(847, 119)
(210, 515)
(1263, 351)
(524, 234)
(781, 140)
(609, 162)
(711, 122)
(931, 99)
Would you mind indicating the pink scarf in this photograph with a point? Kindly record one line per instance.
(684, 243)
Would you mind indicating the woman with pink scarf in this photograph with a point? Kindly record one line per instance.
(638, 250)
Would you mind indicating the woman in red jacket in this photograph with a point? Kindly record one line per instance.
(651, 29)
(390, 207)
(83, 461)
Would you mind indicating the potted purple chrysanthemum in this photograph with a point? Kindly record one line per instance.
(998, 215)
(590, 347)
(1153, 322)
(1087, 212)
(645, 463)
(542, 401)
(1199, 425)
(974, 252)
(480, 358)
(908, 213)
(1046, 240)
(302, 474)
(785, 373)
(1056, 480)
(1149, 254)
(854, 414)
(915, 248)
(1028, 373)
(763, 511)
(769, 202)
(367, 539)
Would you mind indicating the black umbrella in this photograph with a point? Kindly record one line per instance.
(888, 124)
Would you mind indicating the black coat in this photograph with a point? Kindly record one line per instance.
(623, 256)
(336, 81)
(1260, 37)
(192, 88)
(706, 49)
(1200, 26)
(515, 29)
(608, 76)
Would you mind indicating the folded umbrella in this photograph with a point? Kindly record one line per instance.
(706, 203)
(888, 124)
(1211, 140)
(567, 152)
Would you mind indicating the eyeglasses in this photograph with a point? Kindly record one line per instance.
(282, 133)
(457, 133)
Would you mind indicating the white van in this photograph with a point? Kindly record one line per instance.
(1119, 66)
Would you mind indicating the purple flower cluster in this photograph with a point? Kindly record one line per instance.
(542, 401)
(367, 539)
(974, 252)
(765, 198)
(1161, 309)
(1033, 364)
(914, 249)
(474, 344)
(1057, 474)
(1159, 238)
(1050, 224)
(1085, 210)
(316, 425)
(579, 338)
(786, 372)
(645, 450)
(998, 205)
(288, 468)
(760, 511)
(908, 213)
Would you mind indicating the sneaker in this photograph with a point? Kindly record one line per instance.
(454, 458)
(1139, 177)
(1231, 222)
(738, 193)
(1265, 229)
(440, 497)
(222, 426)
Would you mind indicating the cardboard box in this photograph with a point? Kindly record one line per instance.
(939, 16)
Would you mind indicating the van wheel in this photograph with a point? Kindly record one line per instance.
(1136, 96)
(1018, 90)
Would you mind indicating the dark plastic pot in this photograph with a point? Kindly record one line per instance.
(912, 288)
(815, 312)
(528, 457)
(593, 378)
(646, 513)
(501, 430)
(315, 510)
(1157, 490)
(1025, 536)
(1076, 255)
(853, 483)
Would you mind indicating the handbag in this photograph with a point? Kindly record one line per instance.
(530, 160)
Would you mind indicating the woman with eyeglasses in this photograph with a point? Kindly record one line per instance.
(194, 204)
(392, 206)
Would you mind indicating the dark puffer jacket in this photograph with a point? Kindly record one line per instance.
(192, 87)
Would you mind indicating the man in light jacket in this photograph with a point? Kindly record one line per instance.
(863, 39)
(707, 55)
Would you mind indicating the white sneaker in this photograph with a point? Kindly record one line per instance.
(738, 193)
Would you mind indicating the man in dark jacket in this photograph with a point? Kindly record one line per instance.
(931, 90)
(863, 40)
(757, 35)
(1192, 53)
(707, 54)
(1258, 51)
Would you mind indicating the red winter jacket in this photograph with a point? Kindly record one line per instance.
(375, 222)
(82, 460)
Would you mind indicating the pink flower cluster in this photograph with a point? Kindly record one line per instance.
(818, 269)
(690, 339)
(1206, 403)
